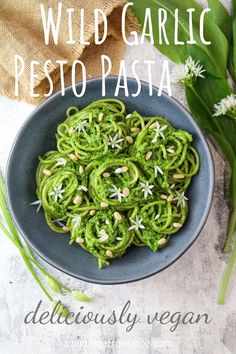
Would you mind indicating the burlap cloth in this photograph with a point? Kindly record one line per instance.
(21, 32)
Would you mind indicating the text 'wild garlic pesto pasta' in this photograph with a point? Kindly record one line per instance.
(116, 179)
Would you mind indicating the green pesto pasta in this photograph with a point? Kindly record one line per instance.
(116, 180)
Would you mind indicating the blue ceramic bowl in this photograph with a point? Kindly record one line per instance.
(38, 135)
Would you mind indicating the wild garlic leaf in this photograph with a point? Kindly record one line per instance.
(234, 38)
(211, 91)
(217, 51)
(200, 113)
(208, 64)
(221, 17)
(225, 147)
(233, 184)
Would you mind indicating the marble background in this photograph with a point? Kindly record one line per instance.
(191, 284)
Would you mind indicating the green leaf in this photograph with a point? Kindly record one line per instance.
(233, 184)
(199, 112)
(221, 17)
(225, 147)
(80, 296)
(211, 90)
(222, 129)
(198, 54)
(217, 51)
(234, 38)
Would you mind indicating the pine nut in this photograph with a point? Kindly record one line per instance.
(163, 196)
(92, 212)
(109, 253)
(179, 176)
(47, 172)
(79, 240)
(135, 129)
(81, 170)
(148, 155)
(100, 116)
(106, 174)
(126, 191)
(66, 228)
(103, 205)
(117, 216)
(129, 139)
(73, 157)
(172, 186)
(161, 242)
(170, 198)
(177, 225)
(71, 130)
(77, 200)
(153, 126)
(122, 169)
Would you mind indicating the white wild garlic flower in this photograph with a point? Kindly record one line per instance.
(114, 142)
(57, 192)
(38, 203)
(159, 132)
(81, 126)
(158, 170)
(180, 199)
(227, 106)
(186, 74)
(137, 224)
(146, 189)
(61, 162)
(116, 192)
(76, 221)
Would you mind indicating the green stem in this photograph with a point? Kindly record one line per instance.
(230, 231)
(226, 278)
(208, 110)
(27, 260)
(14, 237)
(30, 256)
(33, 259)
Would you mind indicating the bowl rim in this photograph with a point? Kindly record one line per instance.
(178, 255)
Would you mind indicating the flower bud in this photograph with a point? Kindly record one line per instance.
(80, 296)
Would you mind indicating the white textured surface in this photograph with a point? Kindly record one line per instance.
(191, 284)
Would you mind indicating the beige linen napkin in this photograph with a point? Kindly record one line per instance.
(21, 32)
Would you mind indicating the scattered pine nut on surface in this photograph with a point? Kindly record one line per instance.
(81, 169)
(177, 225)
(79, 240)
(109, 253)
(135, 129)
(179, 176)
(73, 157)
(161, 242)
(103, 205)
(106, 174)
(47, 172)
(77, 200)
(148, 155)
(117, 215)
(129, 139)
(126, 191)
